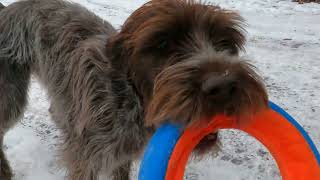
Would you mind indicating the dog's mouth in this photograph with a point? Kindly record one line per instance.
(191, 91)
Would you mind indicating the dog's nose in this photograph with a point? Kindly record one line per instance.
(219, 86)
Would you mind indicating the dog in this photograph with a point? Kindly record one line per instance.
(172, 60)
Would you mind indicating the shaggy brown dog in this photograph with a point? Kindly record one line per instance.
(173, 60)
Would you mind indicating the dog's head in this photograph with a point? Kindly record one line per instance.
(182, 57)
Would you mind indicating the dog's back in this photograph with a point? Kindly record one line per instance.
(27, 24)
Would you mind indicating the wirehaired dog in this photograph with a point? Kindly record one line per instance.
(172, 60)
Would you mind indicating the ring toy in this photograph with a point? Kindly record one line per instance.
(297, 157)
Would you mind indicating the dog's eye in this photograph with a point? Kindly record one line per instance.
(226, 45)
(223, 43)
(162, 45)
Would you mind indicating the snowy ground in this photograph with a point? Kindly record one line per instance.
(283, 42)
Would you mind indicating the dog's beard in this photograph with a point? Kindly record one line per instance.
(195, 90)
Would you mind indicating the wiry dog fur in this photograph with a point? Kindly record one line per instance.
(173, 60)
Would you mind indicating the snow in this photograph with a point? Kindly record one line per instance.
(283, 42)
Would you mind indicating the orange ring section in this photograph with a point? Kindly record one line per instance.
(289, 148)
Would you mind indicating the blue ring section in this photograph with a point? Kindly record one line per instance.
(158, 152)
(298, 126)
